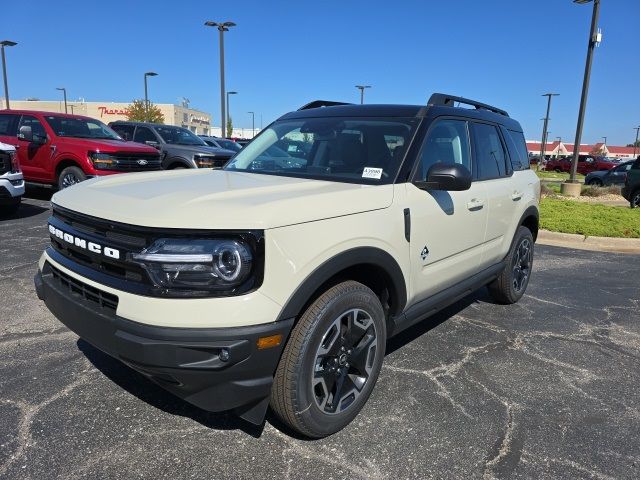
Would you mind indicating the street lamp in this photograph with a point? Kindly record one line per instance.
(64, 91)
(146, 96)
(6, 43)
(228, 111)
(222, 27)
(559, 139)
(594, 39)
(253, 124)
(546, 123)
(361, 88)
(637, 129)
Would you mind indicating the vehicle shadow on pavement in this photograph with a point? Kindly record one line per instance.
(26, 210)
(138, 385)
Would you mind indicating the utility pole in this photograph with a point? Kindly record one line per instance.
(64, 91)
(594, 39)
(146, 96)
(222, 27)
(546, 123)
(6, 43)
(361, 88)
(635, 144)
(253, 124)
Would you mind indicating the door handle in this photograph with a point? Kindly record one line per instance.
(515, 196)
(475, 204)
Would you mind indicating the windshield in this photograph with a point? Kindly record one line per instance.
(79, 127)
(356, 150)
(178, 136)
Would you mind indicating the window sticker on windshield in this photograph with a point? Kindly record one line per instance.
(370, 172)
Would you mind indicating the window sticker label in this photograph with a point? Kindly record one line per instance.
(370, 172)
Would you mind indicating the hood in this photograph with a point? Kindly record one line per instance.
(218, 199)
(109, 146)
(191, 149)
(598, 173)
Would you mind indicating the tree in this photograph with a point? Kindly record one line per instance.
(229, 127)
(136, 112)
(637, 144)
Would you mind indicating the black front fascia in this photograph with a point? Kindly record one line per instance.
(123, 274)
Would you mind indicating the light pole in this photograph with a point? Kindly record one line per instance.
(222, 27)
(637, 129)
(64, 92)
(546, 123)
(6, 43)
(253, 124)
(559, 143)
(361, 88)
(594, 39)
(146, 95)
(72, 106)
(228, 111)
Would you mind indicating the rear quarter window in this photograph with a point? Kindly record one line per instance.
(517, 150)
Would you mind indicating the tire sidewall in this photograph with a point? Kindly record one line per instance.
(313, 417)
(521, 234)
(77, 172)
(634, 198)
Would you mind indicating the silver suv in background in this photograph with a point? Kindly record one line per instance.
(11, 181)
(179, 147)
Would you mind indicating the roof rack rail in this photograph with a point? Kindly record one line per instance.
(322, 103)
(449, 101)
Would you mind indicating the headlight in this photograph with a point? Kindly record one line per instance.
(196, 267)
(103, 161)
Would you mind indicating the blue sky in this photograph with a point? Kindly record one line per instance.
(284, 53)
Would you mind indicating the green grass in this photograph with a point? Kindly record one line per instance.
(550, 175)
(568, 216)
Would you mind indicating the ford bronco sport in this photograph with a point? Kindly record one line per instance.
(277, 281)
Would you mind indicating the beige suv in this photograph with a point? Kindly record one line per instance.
(279, 279)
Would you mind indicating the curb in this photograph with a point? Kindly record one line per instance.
(583, 242)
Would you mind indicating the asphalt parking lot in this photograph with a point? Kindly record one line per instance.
(547, 388)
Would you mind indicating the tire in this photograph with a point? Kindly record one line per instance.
(510, 286)
(595, 182)
(70, 176)
(341, 337)
(10, 209)
(634, 199)
(557, 170)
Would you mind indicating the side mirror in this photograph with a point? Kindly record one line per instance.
(25, 133)
(446, 176)
(153, 144)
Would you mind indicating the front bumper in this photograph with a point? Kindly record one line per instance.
(185, 361)
(11, 188)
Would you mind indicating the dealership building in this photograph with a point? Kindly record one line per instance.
(560, 149)
(180, 115)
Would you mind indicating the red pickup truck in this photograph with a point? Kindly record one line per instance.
(61, 150)
(586, 164)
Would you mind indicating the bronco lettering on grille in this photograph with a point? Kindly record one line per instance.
(84, 244)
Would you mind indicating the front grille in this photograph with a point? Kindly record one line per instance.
(5, 163)
(89, 293)
(103, 233)
(128, 162)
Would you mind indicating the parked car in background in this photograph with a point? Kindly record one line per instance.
(221, 143)
(631, 188)
(240, 141)
(11, 181)
(62, 150)
(586, 164)
(616, 176)
(178, 146)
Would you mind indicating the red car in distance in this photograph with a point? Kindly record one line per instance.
(586, 164)
(62, 150)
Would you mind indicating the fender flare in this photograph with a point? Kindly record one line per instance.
(349, 258)
(531, 211)
(173, 160)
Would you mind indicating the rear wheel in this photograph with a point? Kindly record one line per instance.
(70, 176)
(596, 182)
(331, 362)
(510, 286)
(634, 202)
(557, 170)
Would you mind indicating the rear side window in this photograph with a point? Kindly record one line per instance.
(125, 131)
(8, 124)
(517, 150)
(490, 154)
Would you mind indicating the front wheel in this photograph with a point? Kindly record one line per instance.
(70, 176)
(596, 182)
(331, 362)
(510, 286)
(634, 202)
